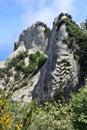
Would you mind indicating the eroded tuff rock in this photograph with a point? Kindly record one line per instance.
(34, 37)
(59, 73)
(61, 70)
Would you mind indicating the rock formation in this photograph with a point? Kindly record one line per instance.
(34, 37)
(46, 63)
(61, 71)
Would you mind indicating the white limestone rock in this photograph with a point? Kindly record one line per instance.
(34, 37)
(61, 70)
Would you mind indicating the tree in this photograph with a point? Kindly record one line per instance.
(83, 26)
(79, 110)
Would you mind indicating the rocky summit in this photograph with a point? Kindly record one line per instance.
(46, 63)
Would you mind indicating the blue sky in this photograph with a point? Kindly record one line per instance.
(16, 15)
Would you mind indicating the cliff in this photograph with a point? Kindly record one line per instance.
(46, 63)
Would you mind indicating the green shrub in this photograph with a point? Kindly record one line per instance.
(22, 55)
(20, 66)
(24, 83)
(36, 61)
(43, 115)
(47, 116)
(17, 76)
(58, 95)
(1, 73)
(6, 80)
(9, 73)
(79, 109)
(14, 61)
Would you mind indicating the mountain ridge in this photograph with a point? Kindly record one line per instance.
(46, 63)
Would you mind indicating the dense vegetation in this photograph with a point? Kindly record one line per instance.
(79, 110)
(21, 71)
(36, 61)
(43, 115)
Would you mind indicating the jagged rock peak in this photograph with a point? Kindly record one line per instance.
(32, 74)
(62, 16)
(35, 37)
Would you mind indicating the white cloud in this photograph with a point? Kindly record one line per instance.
(41, 11)
(63, 5)
(45, 15)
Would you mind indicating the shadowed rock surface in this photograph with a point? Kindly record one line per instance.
(46, 63)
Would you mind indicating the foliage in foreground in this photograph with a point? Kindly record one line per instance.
(47, 116)
(5, 118)
(9, 114)
(79, 110)
(43, 115)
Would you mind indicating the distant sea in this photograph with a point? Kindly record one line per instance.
(5, 51)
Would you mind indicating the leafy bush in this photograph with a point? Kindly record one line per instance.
(1, 73)
(24, 83)
(19, 58)
(9, 73)
(22, 55)
(47, 116)
(43, 115)
(37, 57)
(4, 71)
(10, 118)
(17, 76)
(6, 80)
(83, 26)
(79, 109)
(58, 95)
(20, 66)
(5, 118)
(36, 61)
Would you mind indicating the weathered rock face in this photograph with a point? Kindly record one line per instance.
(62, 69)
(34, 37)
